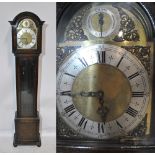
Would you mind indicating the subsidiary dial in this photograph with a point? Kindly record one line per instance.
(103, 21)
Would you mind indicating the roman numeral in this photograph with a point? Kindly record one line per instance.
(85, 125)
(101, 56)
(133, 75)
(66, 93)
(71, 113)
(69, 108)
(100, 128)
(83, 61)
(119, 124)
(132, 112)
(137, 94)
(70, 75)
(119, 62)
(82, 121)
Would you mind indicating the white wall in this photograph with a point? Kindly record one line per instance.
(47, 77)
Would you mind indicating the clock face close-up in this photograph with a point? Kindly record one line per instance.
(104, 73)
(108, 91)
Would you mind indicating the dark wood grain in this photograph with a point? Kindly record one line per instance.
(27, 117)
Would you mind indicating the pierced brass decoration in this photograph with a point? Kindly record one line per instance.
(75, 31)
(140, 130)
(142, 53)
(63, 52)
(127, 30)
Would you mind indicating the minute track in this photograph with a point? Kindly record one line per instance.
(133, 76)
(119, 62)
(84, 93)
(137, 94)
(101, 56)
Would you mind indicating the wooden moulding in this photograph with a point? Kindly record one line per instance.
(27, 131)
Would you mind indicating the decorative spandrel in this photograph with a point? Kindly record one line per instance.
(143, 53)
(127, 29)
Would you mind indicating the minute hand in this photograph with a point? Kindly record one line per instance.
(102, 110)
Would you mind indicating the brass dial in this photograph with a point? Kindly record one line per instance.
(27, 34)
(115, 89)
(102, 85)
(104, 63)
(26, 38)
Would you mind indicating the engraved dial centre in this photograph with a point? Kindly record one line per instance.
(113, 85)
(26, 38)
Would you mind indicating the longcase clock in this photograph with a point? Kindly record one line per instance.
(26, 46)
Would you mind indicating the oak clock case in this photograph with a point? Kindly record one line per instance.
(105, 81)
(26, 46)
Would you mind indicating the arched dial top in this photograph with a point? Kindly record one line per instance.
(26, 34)
(102, 91)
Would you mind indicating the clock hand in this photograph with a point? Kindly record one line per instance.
(84, 94)
(102, 110)
(90, 94)
(101, 22)
(25, 40)
(98, 94)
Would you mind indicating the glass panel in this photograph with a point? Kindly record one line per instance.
(27, 78)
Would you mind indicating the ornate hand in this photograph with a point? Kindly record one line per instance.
(101, 21)
(102, 110)
(92, 94)
(25, 40)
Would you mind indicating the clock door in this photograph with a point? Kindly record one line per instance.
(27, 81)
(105, 57)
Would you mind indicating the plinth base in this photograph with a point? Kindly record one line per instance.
(16, 142)
(27, 131)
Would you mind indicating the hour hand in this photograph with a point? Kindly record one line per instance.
(65, 93)
(69, 93)
(97, 94)
(88, 94)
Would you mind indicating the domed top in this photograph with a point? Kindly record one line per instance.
(26, 14)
